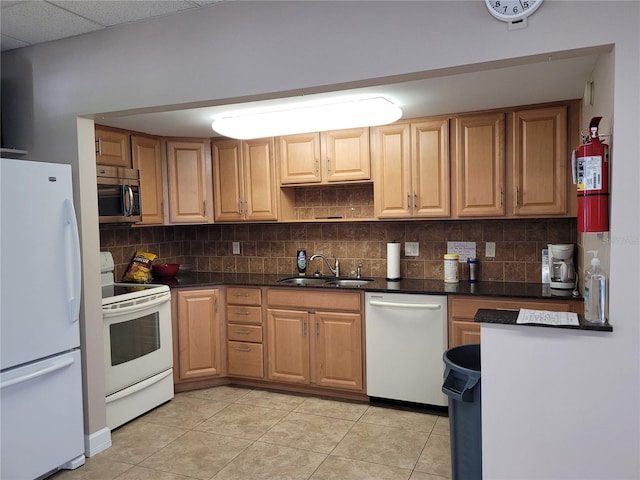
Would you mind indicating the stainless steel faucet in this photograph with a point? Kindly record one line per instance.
(335, 270)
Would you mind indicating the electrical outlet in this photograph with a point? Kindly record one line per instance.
(490, 250)
(411, 249)
(236, 248)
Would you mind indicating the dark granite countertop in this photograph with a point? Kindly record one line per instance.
(409, 285)
(509, 317)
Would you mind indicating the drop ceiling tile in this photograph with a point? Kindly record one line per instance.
(114, 12)
(36, 21)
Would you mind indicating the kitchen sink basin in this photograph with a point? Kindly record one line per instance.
(350, 282)
(303, 281)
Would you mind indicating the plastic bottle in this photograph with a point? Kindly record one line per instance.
(301, 259)
(595, 291)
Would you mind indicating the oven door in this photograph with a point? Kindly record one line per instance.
(137, 340)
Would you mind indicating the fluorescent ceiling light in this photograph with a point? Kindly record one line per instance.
(336, 114)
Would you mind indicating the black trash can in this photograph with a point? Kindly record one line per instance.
(462, 386)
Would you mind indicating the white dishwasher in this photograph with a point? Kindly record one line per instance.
(406, 335)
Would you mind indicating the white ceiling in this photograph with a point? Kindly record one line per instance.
(545, 78)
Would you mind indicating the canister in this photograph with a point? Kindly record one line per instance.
(451, 267)
(473, 269)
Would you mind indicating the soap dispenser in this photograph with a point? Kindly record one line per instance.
(595, 291)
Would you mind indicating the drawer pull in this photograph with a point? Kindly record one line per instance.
(241, 313)
(240, 294)
(243, 332)
(243, 349)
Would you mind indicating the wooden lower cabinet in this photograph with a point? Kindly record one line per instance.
(310, 344)
(463, 330)
(200, 336)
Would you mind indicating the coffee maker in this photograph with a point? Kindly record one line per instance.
(562, 271)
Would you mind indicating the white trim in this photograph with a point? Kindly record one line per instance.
(97, 442)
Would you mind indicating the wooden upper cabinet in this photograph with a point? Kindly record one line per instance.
(345, 155)
(147, 159)
(538, 146)
(299, 158)
(189, 178)
(430, 165)
(412, 169)
(479, 165)
(392, 160)
(113, 147)
(327, 157)
(244, 180)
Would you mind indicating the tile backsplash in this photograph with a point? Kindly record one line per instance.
(271, 248)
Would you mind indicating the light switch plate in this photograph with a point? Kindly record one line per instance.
(236, 248)
(490, 250)
(411, 249)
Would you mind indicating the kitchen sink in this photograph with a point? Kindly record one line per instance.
(350, 282)
(303, 281)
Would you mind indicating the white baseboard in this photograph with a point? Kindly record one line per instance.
(97, 442)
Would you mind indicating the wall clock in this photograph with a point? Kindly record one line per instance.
(512, 10)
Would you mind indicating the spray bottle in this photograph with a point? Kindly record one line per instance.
(595, 291)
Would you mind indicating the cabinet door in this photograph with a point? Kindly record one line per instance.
(392, 162)
(430, 167)
(190, 186)
(463, 333)
(539, 149)
(299, 158)
(479, 165)
(227, 180)
(337, 353)
(345, 155)
(148, 160)
(288, 346)
(113, 147)
(260, 186)
(200, 334)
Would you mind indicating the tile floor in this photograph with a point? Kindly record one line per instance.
(224, 433)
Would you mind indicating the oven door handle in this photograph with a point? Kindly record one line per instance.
(135, 305)
(76, 276)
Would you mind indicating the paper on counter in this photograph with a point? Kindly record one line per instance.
(545, 317)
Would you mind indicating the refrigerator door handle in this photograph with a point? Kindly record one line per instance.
(76, 277)
(39, 373)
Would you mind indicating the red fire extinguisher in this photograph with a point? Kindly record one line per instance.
(591, 174)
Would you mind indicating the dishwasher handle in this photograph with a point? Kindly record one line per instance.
(420, 306)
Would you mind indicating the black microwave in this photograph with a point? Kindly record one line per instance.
(118, 194)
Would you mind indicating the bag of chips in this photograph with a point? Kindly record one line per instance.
(139, 267)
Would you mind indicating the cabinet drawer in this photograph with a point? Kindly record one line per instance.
(244, 333)
(244, 314)
(245, 359)
(309, 299)
(462, 308)
(244, 296)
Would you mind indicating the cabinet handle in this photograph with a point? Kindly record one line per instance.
(304, 328)
(317, 329)
(241, 313)
(204, 208)
(517, 196)
(242, 332)
(415, 200)
(243, 349)
(215, 305)
(328, 166)
(501, 196)
(246, 207)
(240, 294)
(99, 142)
(316, 167)
(408, 200)
(240, 207)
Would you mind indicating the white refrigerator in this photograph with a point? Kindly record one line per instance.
(41, 416)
